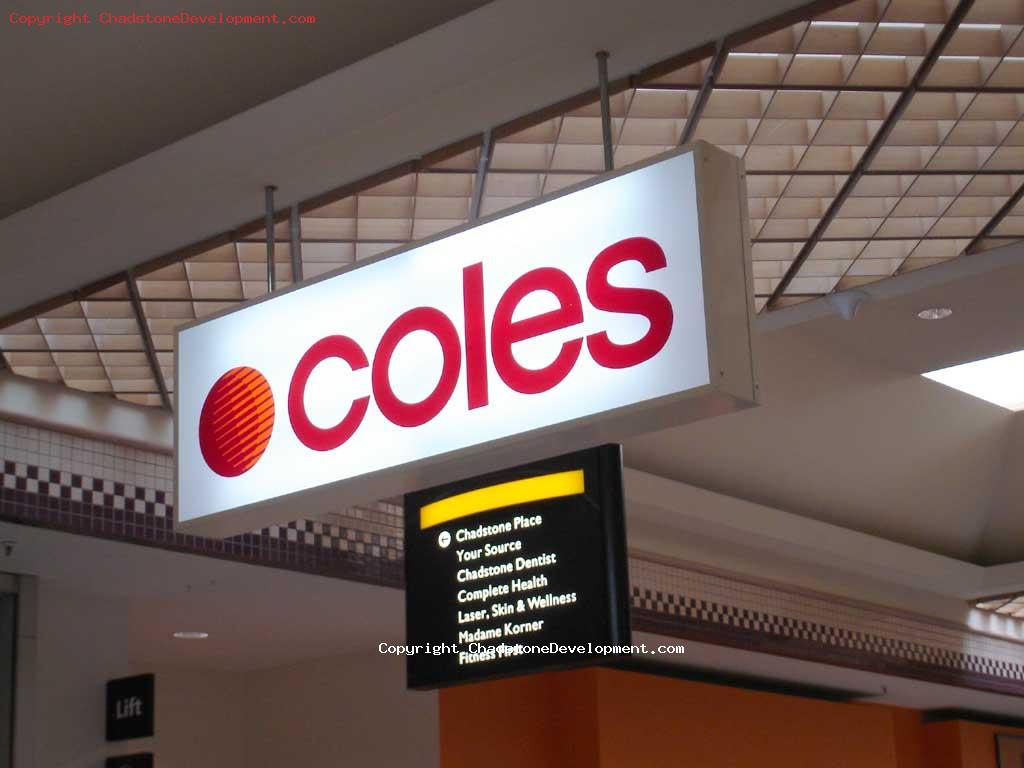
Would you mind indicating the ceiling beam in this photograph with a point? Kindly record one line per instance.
(876, 239)
(996, 220)
(876, 144)
(897, 172)
(827, 87)
(147, 339)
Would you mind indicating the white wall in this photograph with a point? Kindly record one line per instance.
(344, 711)
(347, 711)
(80, 643)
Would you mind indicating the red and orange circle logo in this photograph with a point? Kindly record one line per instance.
(236, 421)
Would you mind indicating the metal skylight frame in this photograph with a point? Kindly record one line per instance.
(816, 50)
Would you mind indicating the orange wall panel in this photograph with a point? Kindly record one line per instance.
(602, 718)
(942, 745)
(978, 743)
(537, 720)
(909, 736)
(658, 722)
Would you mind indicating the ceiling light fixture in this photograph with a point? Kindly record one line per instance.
(191, 635)
(998, 380)
(935, 313)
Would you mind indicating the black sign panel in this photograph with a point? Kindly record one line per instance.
(516, 571)
(130, 708)
(140, 760)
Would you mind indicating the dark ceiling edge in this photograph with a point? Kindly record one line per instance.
(735, 680)
(971, 716)
(652, 72)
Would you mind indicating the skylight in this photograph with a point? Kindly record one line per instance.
(874, 143)
(998, 380)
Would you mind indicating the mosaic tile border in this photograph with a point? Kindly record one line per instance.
(98, 489)
(122, 511)
(688, 603)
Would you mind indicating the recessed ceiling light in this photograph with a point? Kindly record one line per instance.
(935, 313)
(999, 380)
(191, 635)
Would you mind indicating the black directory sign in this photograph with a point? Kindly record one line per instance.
(138, 760)
(516, 571)
(130, 708)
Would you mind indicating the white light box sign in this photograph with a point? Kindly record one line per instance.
(620, 306)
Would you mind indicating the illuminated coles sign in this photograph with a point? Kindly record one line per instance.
(517, 571)
(568, 317)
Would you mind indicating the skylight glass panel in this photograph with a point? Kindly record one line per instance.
(998, 380)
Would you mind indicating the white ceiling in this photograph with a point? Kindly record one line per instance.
(256, 616)
(147, 86)
(261, 617)
(850, 433)
(484, 68)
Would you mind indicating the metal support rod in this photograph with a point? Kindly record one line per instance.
(606, 109)
(873, 148)
(147, 339)
(269, 223)
(295, 230)
(701, 101)
(996, 220)
(486, 152)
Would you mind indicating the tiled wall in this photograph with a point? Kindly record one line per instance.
(80, 456)
(690, 602)
(96, 488)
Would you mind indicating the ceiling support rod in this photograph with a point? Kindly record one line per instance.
(268, 219)
(147, 339)
(876, 144)
(996, 220)
(482, 169)
(710, 78)
(606, 109)
(295, 228)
